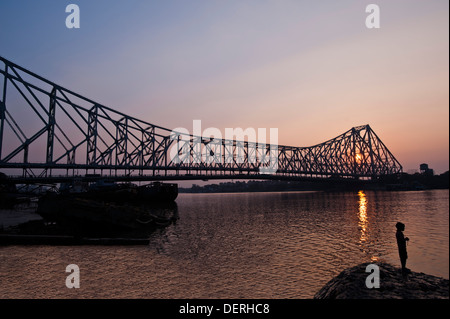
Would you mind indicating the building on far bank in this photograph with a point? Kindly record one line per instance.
(425, 170)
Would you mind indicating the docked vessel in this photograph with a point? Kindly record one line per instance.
(155, 192)
(112, 206)
(74, 210)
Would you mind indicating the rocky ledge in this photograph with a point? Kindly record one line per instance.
(351, 284)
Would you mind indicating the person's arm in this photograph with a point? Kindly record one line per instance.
(401, 240)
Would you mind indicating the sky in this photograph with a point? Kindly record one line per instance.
(312, 69)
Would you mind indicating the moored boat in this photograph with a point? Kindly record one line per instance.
(155, 192)
(69, 209)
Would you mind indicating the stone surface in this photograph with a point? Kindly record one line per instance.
(351, 284)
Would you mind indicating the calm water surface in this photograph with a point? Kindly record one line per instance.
(247, 245)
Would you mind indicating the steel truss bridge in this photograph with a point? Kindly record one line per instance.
(51, 134)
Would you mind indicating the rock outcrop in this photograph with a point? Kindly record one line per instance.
(351, 284)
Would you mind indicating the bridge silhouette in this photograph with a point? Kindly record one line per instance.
(51, 134)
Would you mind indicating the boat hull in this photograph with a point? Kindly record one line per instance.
(72, 211)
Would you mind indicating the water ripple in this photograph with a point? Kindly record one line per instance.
(256, 245)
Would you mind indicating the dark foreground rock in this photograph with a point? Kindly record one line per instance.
(351, 284)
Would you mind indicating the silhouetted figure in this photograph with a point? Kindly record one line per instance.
(401, 242)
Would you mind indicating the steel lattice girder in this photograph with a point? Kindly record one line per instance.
(82, 134)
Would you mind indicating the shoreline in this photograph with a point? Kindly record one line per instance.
(351, 284)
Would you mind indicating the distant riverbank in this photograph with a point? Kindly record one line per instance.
(402, 182)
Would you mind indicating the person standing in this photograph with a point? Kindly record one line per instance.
(401, 243)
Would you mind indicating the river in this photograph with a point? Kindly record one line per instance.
(241, 245)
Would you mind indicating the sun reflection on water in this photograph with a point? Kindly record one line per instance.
(363, 225)
(363, 220)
